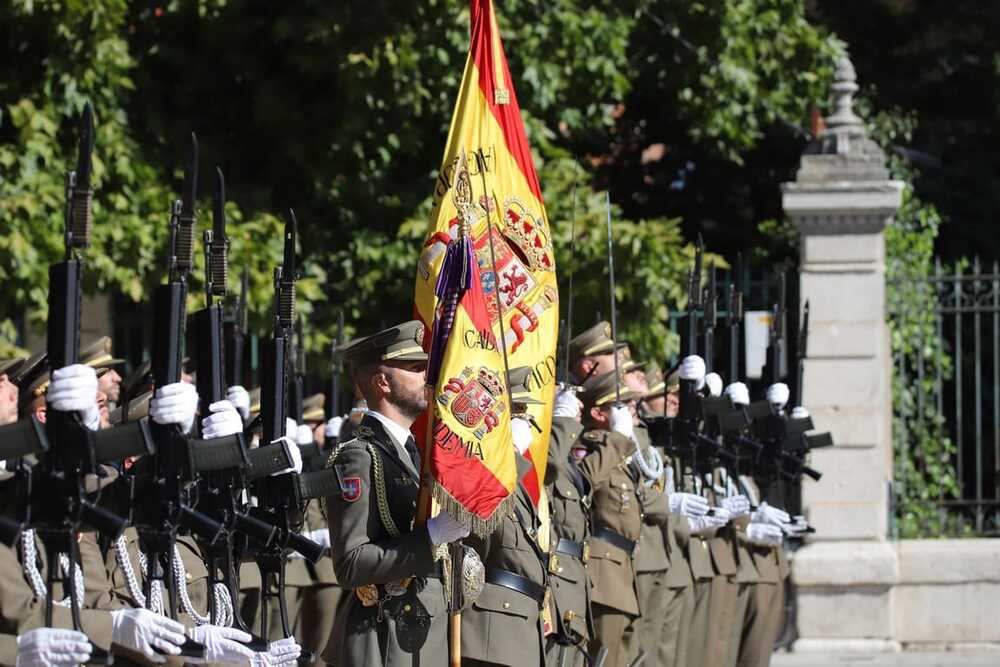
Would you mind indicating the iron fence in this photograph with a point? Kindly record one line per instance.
(947, 385)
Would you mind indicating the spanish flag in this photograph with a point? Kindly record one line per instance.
(469, 464)
(508, 230)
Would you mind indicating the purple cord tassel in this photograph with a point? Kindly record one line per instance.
(455, 278)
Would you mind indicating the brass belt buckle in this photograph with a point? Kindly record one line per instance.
(586, 551)
(554, 563)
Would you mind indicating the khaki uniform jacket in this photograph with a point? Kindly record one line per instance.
(21, 611)
(569, 514)
(615, 506)
(651, 554)
(413, 627)
(770, 562)
(504, 626)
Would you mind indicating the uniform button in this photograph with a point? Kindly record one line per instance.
(407, 607)
(189, 577)
(624, 485)
(506, 605)
(607, 554)
(559, 570)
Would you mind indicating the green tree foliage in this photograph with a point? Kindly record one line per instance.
(78, 51)
(340, 110)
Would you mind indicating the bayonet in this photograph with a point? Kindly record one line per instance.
(185, 212)
(611, 290)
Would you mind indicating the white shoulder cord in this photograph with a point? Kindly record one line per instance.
(29, 556)
(132, 580)
(650, 464)
(223, 600)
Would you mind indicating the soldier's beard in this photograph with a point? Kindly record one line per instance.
(410, 403)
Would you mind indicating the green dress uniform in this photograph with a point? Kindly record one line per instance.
(765, 605)
(672, 648)
(723, 597)
(651, 565)
(703, 572)
(380, 556)
(569, 514)
(504, 624)
(617, 519)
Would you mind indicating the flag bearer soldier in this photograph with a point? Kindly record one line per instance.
(392, 611)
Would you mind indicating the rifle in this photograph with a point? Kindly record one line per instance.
(687, 419)
(800, 356)
(713, 408)
(59, 505)
(165, 482)
(221, 463)
(280, 498)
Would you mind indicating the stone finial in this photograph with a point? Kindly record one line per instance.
(843, 151)
(843, 88)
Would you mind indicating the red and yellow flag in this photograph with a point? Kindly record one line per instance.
(487, 137)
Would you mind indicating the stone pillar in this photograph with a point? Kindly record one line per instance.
(841, 201)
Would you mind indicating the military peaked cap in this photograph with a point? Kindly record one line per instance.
(98, 354)
(9, 366)
(403, 342)
(600, 390)
(595, 340)
(312, 408)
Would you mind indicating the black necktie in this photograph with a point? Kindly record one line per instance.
(411, 449)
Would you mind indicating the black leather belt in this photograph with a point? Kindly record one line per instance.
(616, 539)
(516, 582)
(575, 549)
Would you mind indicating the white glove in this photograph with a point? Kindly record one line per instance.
(320, 536)
(443, 528)
(175, 404)
(687, 504)
(74, 389)
(797, 526)
(303, 435)
(799, 412)
(566, 404)
(224, 420)
(738, 393)
(737, 505)
(621, 421)
(693, 368)
(767, 514)
(520, 431)
(777, 395)
(702, 526)
(714, 383)
(221, 645)
(332, 428)
(240, 399)
(47, 646)
(281, 653)
(290, 427)
(294, 455)
(764, 534)
(142, 630)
